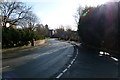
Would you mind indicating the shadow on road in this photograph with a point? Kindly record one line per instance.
(90, 65)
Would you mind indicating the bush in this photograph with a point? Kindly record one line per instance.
(38, 37)
(17, 37)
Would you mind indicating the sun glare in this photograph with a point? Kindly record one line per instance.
(95, 2)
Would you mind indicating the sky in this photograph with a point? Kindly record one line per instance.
(59, 12)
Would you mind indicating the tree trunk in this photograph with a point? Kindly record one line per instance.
(32, 42)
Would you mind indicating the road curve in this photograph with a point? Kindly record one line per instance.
(40, 63)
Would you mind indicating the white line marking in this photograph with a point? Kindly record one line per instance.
(69, 66)
(77, 51)
(71, 62)
(59, 75)
(101, 52)
(100, 55)
(114, 58)
(73, 59)
(107, 53)
(64, 70)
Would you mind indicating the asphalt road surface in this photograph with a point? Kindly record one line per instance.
(60, 59)
(41, 62)
(91, 64)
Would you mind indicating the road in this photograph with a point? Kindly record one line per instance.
(41, 62)
(60, 59)
(91, 64)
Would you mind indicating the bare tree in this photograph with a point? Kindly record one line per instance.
(60, 32)
(31, 20)
(69, 32)
(13, 12)
(78, 14)
(42, 30)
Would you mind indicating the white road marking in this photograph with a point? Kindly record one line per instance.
(67, 66)
(73, 59)
(64, 70)
(101, 52)
(77, 51)
(71, 62)
(107, 53)
(59, 75)
(114, 58)
(100, 55)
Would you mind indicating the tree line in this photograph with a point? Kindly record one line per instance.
(99, 26)
(15, 14)
(66, 34)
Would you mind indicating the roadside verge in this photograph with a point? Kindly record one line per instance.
(13, 52)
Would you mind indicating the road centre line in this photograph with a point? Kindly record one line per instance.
(64, 70)
(72, 62)
(67, 66)
(59, 75)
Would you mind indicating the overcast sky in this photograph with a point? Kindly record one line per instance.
(59, 12)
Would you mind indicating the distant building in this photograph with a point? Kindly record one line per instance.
(51, 32)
